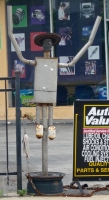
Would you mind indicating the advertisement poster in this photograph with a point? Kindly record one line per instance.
(86, 31)
(0, 37)
(28, 101)
(27, 98)
(38, 15)
(93, 53)
(91, 140)
(66, 70)
(19, 16)
(35, 47)
(20, 66)
(20, 39)
(66, 36)
(90, 67)
(64, 11)
(87, 10)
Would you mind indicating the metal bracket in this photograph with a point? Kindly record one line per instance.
(79, 185)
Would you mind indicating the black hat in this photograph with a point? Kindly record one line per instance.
(38, 39)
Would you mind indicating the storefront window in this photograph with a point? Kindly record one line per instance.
(73, 21)
(107, 9)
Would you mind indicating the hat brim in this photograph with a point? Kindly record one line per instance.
(38, 39)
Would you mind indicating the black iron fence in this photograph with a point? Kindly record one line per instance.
(18, 128)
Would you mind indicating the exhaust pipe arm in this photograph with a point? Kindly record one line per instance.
(33, 62)
(13, 40)
(86, 46)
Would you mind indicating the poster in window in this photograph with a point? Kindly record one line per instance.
(90, 67)
(64, 11)
(20, 66)
(35, 47)
(20, 39)
(93, 53)
(66, 36)
(19, 16)
(86, 31)
(87, 10)
(37, 15)
(66, 70)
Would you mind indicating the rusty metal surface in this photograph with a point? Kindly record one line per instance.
(51, 175)
(38, 39)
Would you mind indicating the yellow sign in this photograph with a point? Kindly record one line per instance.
(91, 139)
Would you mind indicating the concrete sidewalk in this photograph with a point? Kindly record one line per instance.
(60, 198)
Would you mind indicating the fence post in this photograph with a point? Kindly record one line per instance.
(18, 130)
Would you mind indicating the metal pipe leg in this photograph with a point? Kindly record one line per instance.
(50, 115)
(38, 108)
(44, 142)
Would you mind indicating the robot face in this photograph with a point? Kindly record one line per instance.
(47, 44)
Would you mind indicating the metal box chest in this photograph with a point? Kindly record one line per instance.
(45, 80)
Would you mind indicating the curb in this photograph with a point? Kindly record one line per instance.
(27, 122)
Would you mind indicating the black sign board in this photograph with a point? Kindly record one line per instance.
(91, 140)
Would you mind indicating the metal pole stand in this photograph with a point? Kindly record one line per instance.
(44, 141)
(38, 108)
(44, 182)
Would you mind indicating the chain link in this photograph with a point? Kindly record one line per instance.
(34, 187)
(27, 161)
(24, 126)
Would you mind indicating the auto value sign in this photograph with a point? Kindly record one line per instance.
(91, 140)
